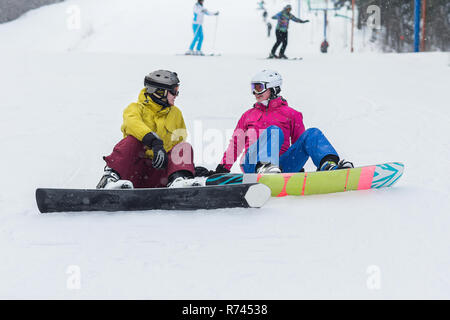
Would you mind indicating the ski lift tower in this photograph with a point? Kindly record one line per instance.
(324, 6)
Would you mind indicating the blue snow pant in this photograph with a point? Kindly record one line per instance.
(198, 36)
(312, 143)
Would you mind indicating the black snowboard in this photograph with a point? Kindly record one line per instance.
(193, 198)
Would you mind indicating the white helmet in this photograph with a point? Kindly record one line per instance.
(269, 79)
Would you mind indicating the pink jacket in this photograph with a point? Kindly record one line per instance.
(258, 118)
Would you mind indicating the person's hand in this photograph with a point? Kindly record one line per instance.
(160, 157)
(217, 13)
(305, 21)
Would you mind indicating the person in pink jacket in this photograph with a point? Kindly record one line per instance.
(274, 137)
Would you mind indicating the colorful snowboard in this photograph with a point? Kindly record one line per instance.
(308, 183)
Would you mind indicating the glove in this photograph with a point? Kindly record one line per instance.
(160, 157)
(203, 172)
(305, 21)
(221, 169)
(217, 13)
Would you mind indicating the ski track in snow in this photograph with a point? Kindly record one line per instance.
(62, 99)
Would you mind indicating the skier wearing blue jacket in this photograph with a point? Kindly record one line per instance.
(199, 12)
(283, 18)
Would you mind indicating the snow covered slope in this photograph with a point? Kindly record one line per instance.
(61, 100)
(164, 27)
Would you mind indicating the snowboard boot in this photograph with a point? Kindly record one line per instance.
(272, 56)
(111, 180)
(267, 167)
(190, 53)
(283, 56)
(331, 165)
(184, 179)
(199, 53)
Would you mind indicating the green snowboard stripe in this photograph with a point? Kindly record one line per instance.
(316, 182)
(325, 182)
(274, 181)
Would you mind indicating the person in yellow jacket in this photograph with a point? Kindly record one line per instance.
(153, 152)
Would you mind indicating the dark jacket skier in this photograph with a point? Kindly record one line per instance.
(281, 32)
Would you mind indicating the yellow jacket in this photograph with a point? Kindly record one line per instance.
(145, 116)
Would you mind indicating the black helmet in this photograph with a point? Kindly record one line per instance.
(161, 81)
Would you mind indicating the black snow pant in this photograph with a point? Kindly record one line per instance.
(282, 38)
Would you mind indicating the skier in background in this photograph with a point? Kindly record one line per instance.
(281, 32)
(274, 136)
(261, 5)
(265, 16)
(153, 152)
(269, 29)
(199, 12)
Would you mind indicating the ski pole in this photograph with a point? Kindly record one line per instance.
(215, 34)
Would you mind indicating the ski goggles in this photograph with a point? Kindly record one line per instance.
(164, 92)
(258, 87)
(174, 91)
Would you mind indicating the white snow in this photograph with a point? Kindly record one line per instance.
(61, 101)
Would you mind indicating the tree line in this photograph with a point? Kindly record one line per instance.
(397, 23)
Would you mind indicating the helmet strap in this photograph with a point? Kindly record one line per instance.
(159, 100)
(147, 97)
(274, 92)
(161, 93)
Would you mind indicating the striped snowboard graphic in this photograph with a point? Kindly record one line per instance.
(322, 182)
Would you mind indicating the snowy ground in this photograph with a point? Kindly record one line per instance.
(61, 100)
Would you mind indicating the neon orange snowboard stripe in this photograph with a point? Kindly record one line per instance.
(287, 177)
(304, 184)
(346, 179)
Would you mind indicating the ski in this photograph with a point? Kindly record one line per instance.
(192, 198)
(198, 55)
(294, 58)
(319, 182)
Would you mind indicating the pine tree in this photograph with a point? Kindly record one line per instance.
(397, 21)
